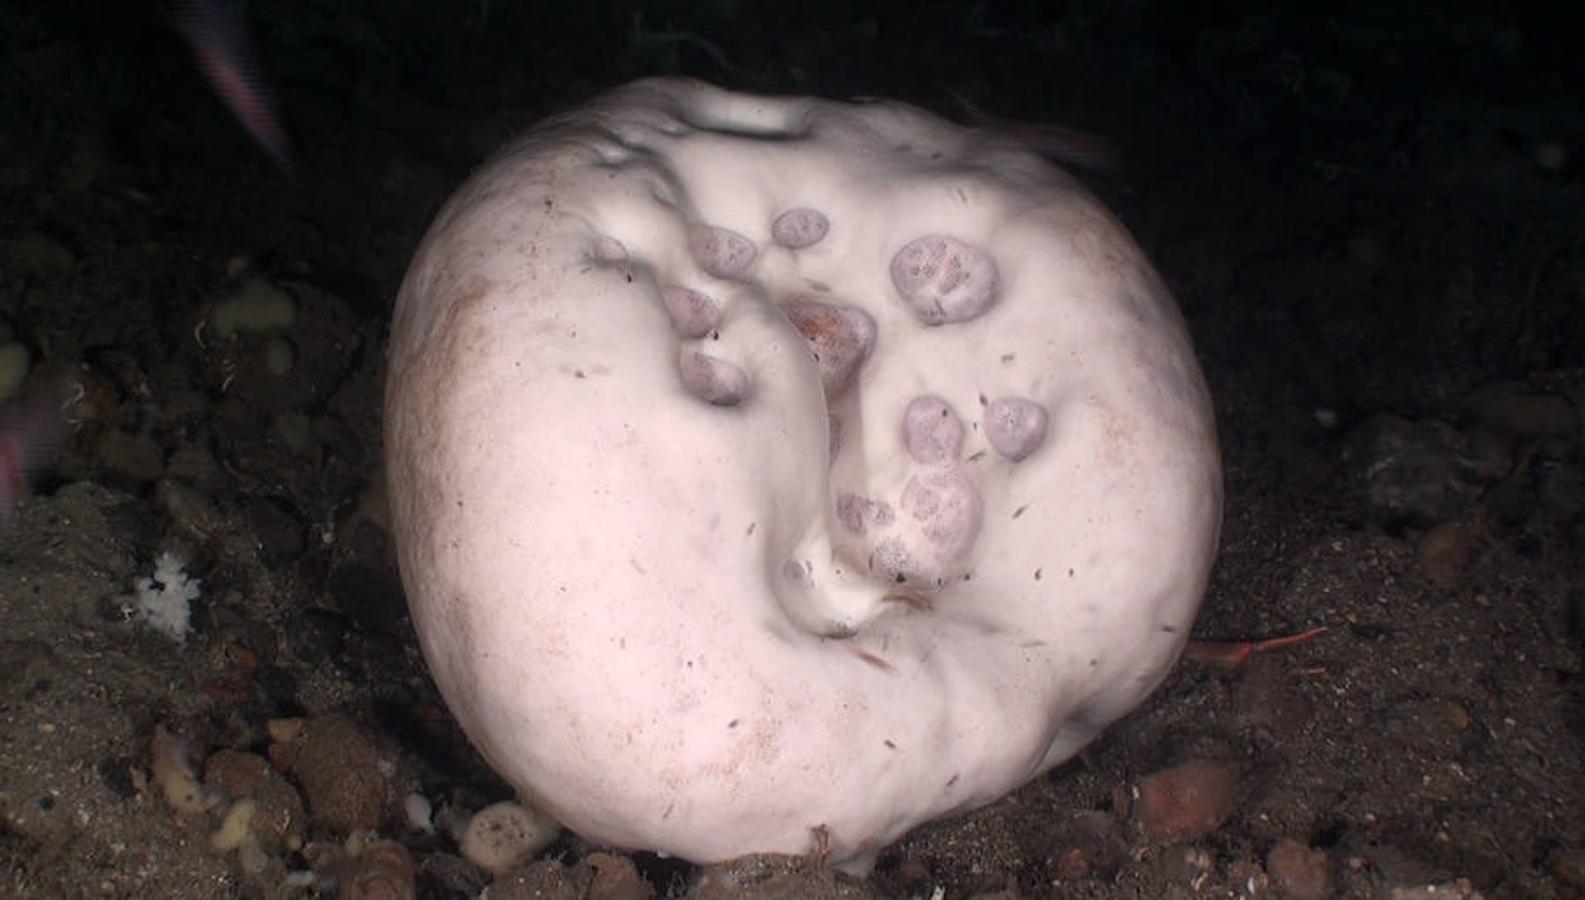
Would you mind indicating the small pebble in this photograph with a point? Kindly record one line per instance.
(257, 307)
(1567, 865)
(15, 360)
(505, 835)
(772, 876)
(1407, 471)
(543, 879)
(1461, 889)
(170, 762)
(420, 813)
(1516, 408)
(284, 729)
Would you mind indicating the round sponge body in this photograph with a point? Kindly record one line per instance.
(773, 472)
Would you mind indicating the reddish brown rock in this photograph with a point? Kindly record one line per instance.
(279, 818)
(1187, 801)
(1517, 408)
(1447, 549)
(1301, 871)
(1268, 697)
(344, 775)
(598, 876)
(613, 877)
(544, 879)
(383, 871)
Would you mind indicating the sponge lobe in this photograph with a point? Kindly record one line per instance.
(944, 279)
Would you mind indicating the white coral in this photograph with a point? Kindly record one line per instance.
(163, 601)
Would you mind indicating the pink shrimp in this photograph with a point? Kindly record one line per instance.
(223, 47)
(32, 428)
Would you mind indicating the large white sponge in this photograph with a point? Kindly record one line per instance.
(762, 465)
